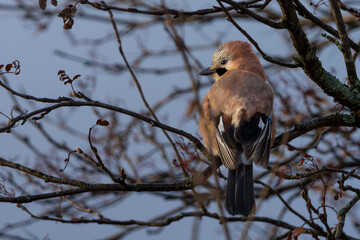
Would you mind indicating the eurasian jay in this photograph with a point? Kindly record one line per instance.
(236, 119)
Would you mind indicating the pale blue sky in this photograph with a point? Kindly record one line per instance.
(39, 66)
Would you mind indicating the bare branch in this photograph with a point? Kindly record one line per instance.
(311, 63)
(158, 12)
(256, 45)
(140, 187)
(243, 10)
(345, 44)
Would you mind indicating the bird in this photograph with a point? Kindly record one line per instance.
(235, 120)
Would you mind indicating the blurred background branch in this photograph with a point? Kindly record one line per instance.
(64, 137)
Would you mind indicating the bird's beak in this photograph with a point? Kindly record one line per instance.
(207, 71)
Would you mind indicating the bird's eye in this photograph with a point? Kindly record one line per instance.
(223, 62)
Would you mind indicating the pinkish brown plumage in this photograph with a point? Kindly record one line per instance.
(229, 122)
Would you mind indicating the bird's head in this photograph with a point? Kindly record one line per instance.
(232, 55)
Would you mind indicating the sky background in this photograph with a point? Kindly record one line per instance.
(21, 40)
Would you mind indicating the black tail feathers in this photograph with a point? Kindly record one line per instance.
(240, 198)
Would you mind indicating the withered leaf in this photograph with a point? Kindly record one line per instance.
(289, 236)
(54, 3)
(299, 230)
(68, 12)
(16, 65)
(42, 4)
(8, 67)
(76, 77)
(301, 162)
(68, 24)
(102, 122)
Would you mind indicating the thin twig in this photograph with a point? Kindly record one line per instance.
(244, 10)
(342, 215)
(345, 44)
(302, 10)
(256, 45)
(137, 82)
(157, 12)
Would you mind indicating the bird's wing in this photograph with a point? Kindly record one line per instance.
(258, 150)
(229, 148)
